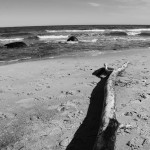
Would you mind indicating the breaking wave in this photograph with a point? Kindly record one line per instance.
(16, 60)
(93, 40)
(117, 32)
(11, 40)
(137, 31)
(44, 37)
(93, 30)
(146, 34)
(131, 32)
(10, 35)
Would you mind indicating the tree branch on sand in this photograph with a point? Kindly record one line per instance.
(108, 127)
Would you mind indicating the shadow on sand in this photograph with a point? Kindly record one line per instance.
(85, 136)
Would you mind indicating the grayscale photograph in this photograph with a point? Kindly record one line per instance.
(74, 74)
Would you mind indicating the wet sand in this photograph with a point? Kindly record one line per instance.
(56, 103)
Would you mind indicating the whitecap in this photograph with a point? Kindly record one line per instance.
(11, 40)
(15, 60)
(129, 31)
(117, 30)
(72, 42)
(139, 30)
(93, 30)
(93, 40)
(26, 58)
(133, 32)
(45, 37)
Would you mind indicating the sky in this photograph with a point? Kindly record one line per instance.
(73, 12)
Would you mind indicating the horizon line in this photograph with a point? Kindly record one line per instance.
(74, 25)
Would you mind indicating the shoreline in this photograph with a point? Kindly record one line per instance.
(91, 53)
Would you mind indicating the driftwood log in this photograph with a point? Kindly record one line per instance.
(108, 126)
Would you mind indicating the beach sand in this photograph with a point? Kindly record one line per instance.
(54, 104)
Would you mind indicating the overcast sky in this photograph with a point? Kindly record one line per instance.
(66, 12)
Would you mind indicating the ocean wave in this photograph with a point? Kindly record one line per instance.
(121, 32)
(32, 38)
(93, 40)
(147, 34)
(133, 33)
(93, 30)
(10, 35)
(116, 33)
(136, 39)
(72, 42)
(45, 37)
(11, 40)
(137, 31)
(16, 60)
(113, 32)
(132, 30)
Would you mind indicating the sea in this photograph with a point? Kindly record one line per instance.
(51, 41)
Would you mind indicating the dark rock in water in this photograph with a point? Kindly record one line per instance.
(15, 45)
(72, 38)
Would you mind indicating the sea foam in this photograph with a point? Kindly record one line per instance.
(11, 40)
(93, 30)
(93, 40)
(131, 32)
(137, 31)
(45, 37)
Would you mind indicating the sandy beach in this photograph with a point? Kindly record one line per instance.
(54, 104)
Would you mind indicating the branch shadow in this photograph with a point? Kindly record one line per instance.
(85, 136)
